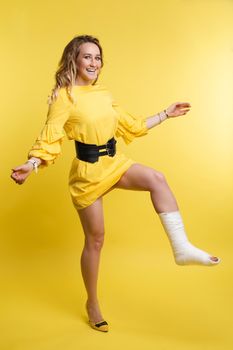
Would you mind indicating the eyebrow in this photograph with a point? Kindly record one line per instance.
(91, 54)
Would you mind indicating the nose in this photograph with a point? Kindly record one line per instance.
(93, 62)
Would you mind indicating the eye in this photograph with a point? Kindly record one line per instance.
(98, 58)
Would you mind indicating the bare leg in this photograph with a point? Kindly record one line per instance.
(93, 226)
(143, 178)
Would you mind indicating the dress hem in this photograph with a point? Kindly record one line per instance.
(98, 193)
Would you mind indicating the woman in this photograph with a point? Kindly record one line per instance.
(90, 116)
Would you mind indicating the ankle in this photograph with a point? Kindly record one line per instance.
(92, 302)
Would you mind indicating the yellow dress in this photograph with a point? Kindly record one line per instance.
(93, 118)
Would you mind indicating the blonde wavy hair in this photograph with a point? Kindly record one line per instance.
(66, 73)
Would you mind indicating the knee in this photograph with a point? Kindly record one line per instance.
(157, 180)
(95, 240)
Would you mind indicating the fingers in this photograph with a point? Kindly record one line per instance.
(17, 178)
(183, 104)
(20, 173)
(184, 108)
(178, 108)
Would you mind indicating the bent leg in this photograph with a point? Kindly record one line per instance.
(92, 220)
(143, 178)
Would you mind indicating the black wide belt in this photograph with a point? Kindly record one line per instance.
(91, 153)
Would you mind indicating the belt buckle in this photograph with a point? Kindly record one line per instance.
(110, 148)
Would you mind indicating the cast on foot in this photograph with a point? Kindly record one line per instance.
(188, 254)
(184, 252)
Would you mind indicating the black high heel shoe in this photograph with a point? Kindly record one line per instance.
(101, 326)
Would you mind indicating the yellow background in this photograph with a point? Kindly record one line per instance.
(156, 53)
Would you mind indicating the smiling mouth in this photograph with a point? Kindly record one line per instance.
(91, 71)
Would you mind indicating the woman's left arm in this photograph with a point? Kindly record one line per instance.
(174, 110)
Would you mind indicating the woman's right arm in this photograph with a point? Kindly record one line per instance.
(48, 144)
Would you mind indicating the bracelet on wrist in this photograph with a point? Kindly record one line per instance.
(34, 163)
(162, 116)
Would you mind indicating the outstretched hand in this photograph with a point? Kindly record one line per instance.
(177, 109)
(20, 173)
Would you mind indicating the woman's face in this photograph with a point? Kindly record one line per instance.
(88, 64)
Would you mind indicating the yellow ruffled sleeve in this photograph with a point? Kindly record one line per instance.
(129, 126)
(48, 144)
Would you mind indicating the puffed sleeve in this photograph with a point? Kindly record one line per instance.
(129, 126)
(48, 144)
